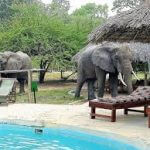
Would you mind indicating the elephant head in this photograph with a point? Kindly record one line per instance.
(114, 59)
(10, 61)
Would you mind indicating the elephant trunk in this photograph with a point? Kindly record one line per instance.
(128, 81)
(127, 72)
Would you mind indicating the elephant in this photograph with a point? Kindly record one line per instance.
(15, 61)
(94, 63)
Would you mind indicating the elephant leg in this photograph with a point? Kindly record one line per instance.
(101, 77)
(78, 88)
(91, 94)
(113, 81)
(21, 84)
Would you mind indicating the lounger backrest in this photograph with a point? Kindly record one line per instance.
(6, 86)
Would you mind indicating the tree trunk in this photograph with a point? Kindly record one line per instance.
(44, 64)
(61, 72)
(42, 76)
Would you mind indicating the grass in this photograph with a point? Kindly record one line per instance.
(54, 75)
(51, 93)
(50, 96)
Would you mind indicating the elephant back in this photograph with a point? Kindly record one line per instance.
(86, 50)
(85, 64)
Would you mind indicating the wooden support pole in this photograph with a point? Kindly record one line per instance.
(145, 79)
(29, 86)
(145, 75)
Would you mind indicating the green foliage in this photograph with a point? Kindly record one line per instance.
(59, 8)
(92, 10)
(119, 5)
(6, 10)
(39, 31)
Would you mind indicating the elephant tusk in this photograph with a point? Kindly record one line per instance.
(121, 79)
(135, 75)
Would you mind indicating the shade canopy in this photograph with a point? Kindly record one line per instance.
(131, 25)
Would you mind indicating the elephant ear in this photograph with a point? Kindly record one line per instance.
(101, 57)
(14, 62)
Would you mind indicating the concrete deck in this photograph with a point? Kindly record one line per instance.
(134, 126)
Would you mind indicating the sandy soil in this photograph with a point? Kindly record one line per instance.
(134, 126)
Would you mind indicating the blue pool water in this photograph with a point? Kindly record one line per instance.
(14, 137)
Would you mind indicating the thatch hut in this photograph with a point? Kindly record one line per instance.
(131, 25)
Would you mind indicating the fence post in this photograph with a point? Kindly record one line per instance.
(29, 86)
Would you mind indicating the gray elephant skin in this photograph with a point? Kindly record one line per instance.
(95, 62)
(15, 61)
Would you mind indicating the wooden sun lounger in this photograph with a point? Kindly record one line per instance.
(7, 90)
(140, 97)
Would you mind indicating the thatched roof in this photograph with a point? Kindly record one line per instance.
(140, 51)
(131, 25)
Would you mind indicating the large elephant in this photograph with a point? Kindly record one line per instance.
(96, 62)
(15, 61)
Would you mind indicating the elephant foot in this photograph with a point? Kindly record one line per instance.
(22, 91)
(114, 95)
(91, 97)
(77, 96)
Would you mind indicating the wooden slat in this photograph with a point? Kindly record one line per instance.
(99, 115)
(19, 71)
(135, 110)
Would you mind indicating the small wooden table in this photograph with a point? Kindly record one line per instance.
(148, 112)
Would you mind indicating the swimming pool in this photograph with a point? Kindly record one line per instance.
(15, 137)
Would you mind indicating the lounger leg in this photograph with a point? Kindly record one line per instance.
(113, 115)
(92, 112)
(126, 111)
(145, 113)
(149, 121)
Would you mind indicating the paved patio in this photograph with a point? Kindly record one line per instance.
(134, 126)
